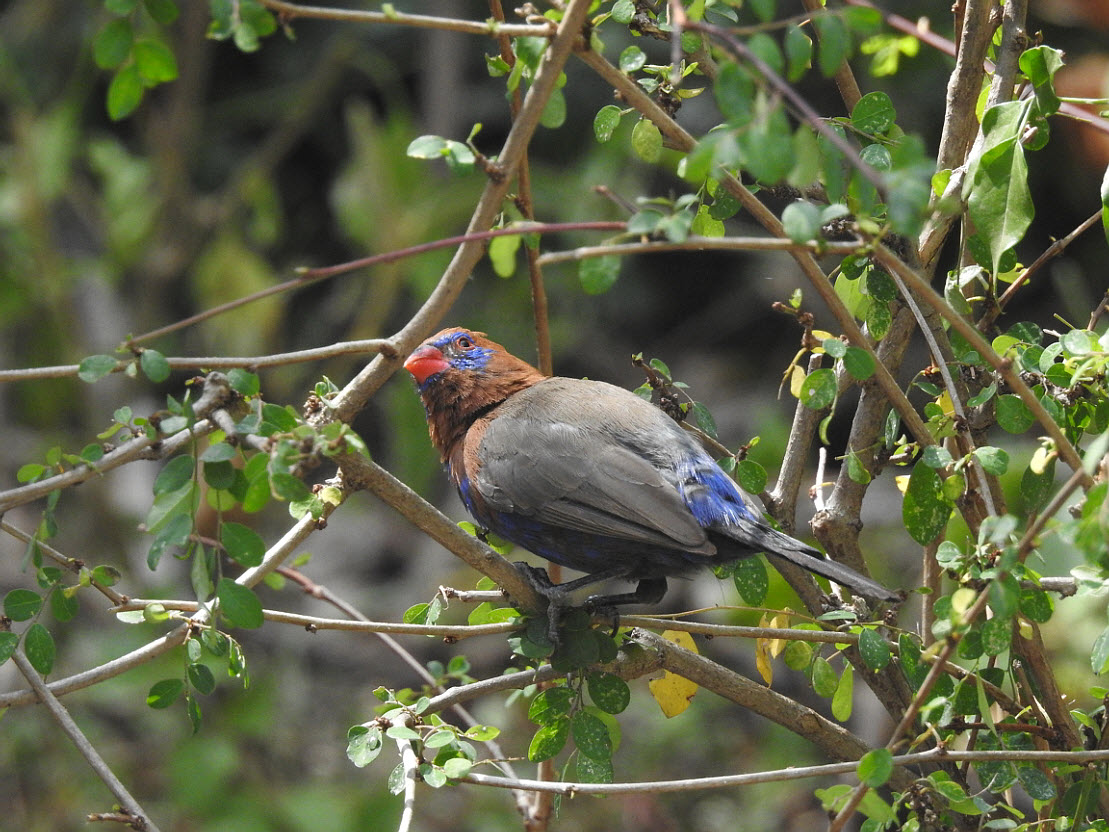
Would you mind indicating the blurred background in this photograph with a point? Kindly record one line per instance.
(250, 165)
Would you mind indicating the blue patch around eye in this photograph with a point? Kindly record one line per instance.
(472, 359)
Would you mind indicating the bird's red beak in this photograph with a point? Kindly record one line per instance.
(425, 362)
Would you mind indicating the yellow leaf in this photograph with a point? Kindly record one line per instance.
(1041, 458)
(777, 645)
(796, 379)
(763, 660)
(672, 692)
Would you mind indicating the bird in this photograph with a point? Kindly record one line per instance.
(590, 476)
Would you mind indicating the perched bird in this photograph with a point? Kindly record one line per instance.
(589, 475)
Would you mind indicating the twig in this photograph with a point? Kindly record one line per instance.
(292, 11)
(792, 773)
(366, 383)
(141, 820)
(699, 244)
(633, 94)
(312, 623)
(1054, 250)
(911, 712)
(141, 447)
(924, 292)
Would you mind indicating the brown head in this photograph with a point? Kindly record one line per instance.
(461, 376)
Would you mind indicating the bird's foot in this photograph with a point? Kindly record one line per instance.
(558, 600)
(601, 607)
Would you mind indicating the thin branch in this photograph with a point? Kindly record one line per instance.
(1052, 251)
(140, 819)
(292, 11)
(934, 756)
(633, 94)
(909, 717)
(141, 447)
(962, 423)
(832, 739)
(360, 472)
(72, 564)
(366, 383)
(313, 623)
(845, 78)
(923, 291)
(700, 244)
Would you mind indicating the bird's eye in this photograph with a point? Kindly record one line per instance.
(464, 343)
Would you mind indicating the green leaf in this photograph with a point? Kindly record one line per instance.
(427, 147)
(610, 693)
(164, 693)
(875, 767)
(288, 487)
(243, 381)
(1099, 656)
(112, 45)
(549, 740)
(1035, 782)
(598, 274)
(363, 744)
(38, 644)
(1105, 203)
(843, 699)
(502, 254)
(751, 580)
(95, 367)
(154, 365)
(824, 678)
(835, 43)
(925, 511)
(239, 604)
(554, 112)
(124, 92)
(551, 705)
(767, 143)
(859, 363)
(734, 91)
(163, 12)
(593, 771)
(874, 114)
(155, 62)
(22, 604)
(606, 121)
(647, 141)
(591, 736)
(8, 642)
(1013, 415)
(996, 635)
(201, 678)
(798, 49)
(1000, 203)
(801, 221)
(1036, 604)
(994, 460)
(818, 390)
(874, 649)
(632, 58)
(1040, 63)
(751, 476)
(243, 545)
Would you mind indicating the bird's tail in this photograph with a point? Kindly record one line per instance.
(816, 563)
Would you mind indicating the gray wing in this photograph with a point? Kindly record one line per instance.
(577, 477)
